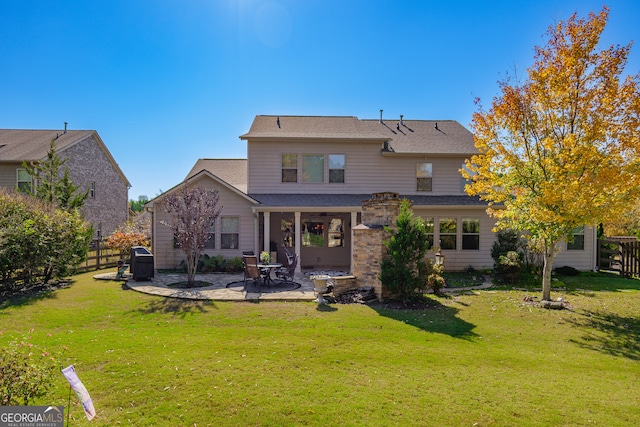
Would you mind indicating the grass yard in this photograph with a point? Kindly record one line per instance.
(479, 359)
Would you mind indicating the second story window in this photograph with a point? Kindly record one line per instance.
(313, 168)
(92, 190)
(336, 168)
(464, 181)
(25, 182)
(289, 168)
(424, 176)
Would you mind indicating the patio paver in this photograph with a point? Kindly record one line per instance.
(158, 285)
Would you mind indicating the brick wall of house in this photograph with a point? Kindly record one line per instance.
(88, 163)
(368, 250)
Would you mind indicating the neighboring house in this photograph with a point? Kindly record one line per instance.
(90, 164)
(305, 179)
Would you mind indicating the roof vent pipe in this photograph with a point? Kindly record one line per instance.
(380, 116)
(65, 127)
(437, 126)
(401, 122)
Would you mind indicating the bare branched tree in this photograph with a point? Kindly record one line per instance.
(193, 211)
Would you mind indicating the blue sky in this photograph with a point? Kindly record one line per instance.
(165, 82)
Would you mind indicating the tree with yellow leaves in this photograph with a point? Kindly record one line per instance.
(560, 150)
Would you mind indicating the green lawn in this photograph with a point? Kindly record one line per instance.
(479, 359)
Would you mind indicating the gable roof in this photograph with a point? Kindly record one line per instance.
(194, 177)
(231, 171)
(404, 136)
(17, 145)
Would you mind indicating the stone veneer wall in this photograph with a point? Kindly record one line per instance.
(368, 250)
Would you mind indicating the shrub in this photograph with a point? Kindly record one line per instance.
(506, 241)
(125, 237)
(510, 265)
(26, 372)
(405, 270)
(39, 240)
(567, 271)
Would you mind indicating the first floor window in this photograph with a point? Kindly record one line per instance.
(429, 228)
(448, 233)
(313, 168)
(211, 243)
(578, 240)
(229, 232)
(470, 233)
(424, 174)
(289, 168)
(25, 182)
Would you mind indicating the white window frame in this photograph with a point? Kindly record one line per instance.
(422, 170)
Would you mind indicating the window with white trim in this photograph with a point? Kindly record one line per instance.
(229, 232)
(424, 176)
(313, 168)
(465, 181)
(429, 228)
(470, 233)
(25, 181)
(211, 243)
(448, 233)
(336, 168)
(289, 168)
(578, 240)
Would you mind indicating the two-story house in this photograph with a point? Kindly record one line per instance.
(91, 167)
(305, 178)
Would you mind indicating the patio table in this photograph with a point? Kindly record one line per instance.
(267, 269)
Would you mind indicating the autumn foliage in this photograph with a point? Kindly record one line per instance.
(123, 241)
(560, 150)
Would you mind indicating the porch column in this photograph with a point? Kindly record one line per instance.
(267, 230)
(298, 234)
(354, 218)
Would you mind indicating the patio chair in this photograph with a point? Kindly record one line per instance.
(251, 270)
(286, 273)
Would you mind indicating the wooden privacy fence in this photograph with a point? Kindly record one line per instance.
(99, 256)
(620, 254)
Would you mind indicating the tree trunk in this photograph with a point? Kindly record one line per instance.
(549, 256)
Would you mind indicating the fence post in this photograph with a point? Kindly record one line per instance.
(97, 254)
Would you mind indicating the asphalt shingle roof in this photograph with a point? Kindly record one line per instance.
(31, 145)
(231, 171)
(406, 136)
(351, 200)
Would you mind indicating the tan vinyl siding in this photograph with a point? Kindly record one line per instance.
(459, 259)
(8, 175)
(366, 170)
(580, 259)
(168, 257)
